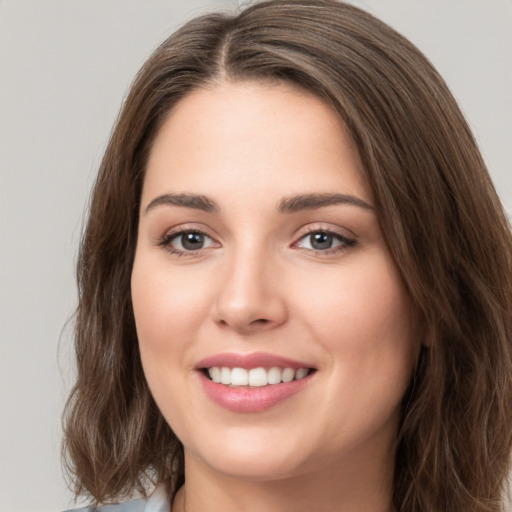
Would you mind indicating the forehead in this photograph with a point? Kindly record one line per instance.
(253, 136)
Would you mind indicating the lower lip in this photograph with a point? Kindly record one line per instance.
(255, 399)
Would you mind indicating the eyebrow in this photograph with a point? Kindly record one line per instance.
(195, 201)
(287, 205)
(314, 201)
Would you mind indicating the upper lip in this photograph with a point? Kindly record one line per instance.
(249, 361)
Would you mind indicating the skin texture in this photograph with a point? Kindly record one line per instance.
(259, 284)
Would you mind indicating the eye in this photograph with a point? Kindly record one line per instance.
(187, 242)
(324, 241)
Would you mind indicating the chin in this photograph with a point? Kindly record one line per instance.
(246, 457)
(257, 469)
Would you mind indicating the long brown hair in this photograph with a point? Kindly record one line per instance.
(438, 210)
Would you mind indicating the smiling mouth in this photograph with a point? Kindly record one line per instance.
(255, 377)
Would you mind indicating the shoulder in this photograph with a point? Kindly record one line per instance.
(157, 502)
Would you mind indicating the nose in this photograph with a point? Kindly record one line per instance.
(250, 298)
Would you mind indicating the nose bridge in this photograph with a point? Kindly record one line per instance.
(249, 296)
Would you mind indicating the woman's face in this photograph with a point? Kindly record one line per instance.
(260, 259)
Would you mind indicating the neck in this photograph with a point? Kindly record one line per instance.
(353, 487)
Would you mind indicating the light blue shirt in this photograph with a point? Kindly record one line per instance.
(157, 502)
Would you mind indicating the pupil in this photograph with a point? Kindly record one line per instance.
(321, 241)
(192, 241)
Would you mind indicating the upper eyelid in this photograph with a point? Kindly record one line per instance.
(170, 235)
(304, 230)
(185, 228)
(165, 238)
(342, 238)
(340, 231)
(173, 236)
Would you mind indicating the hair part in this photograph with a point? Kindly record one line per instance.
(439, 212)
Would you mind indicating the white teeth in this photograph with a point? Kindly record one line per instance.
(274, 375)
(288, 375)
(239, 377)
(225, 376)
(301, 373)
(215, 373)
(256, 377)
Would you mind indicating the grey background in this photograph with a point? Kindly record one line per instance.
(65, 66)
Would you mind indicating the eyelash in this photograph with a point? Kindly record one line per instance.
(345, 242)
(166, 241)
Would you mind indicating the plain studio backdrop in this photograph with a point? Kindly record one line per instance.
(65, 67)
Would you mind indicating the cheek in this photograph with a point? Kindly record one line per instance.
(362, 319)
(363, 301)
(167, 305)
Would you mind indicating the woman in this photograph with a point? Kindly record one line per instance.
(295, 287)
